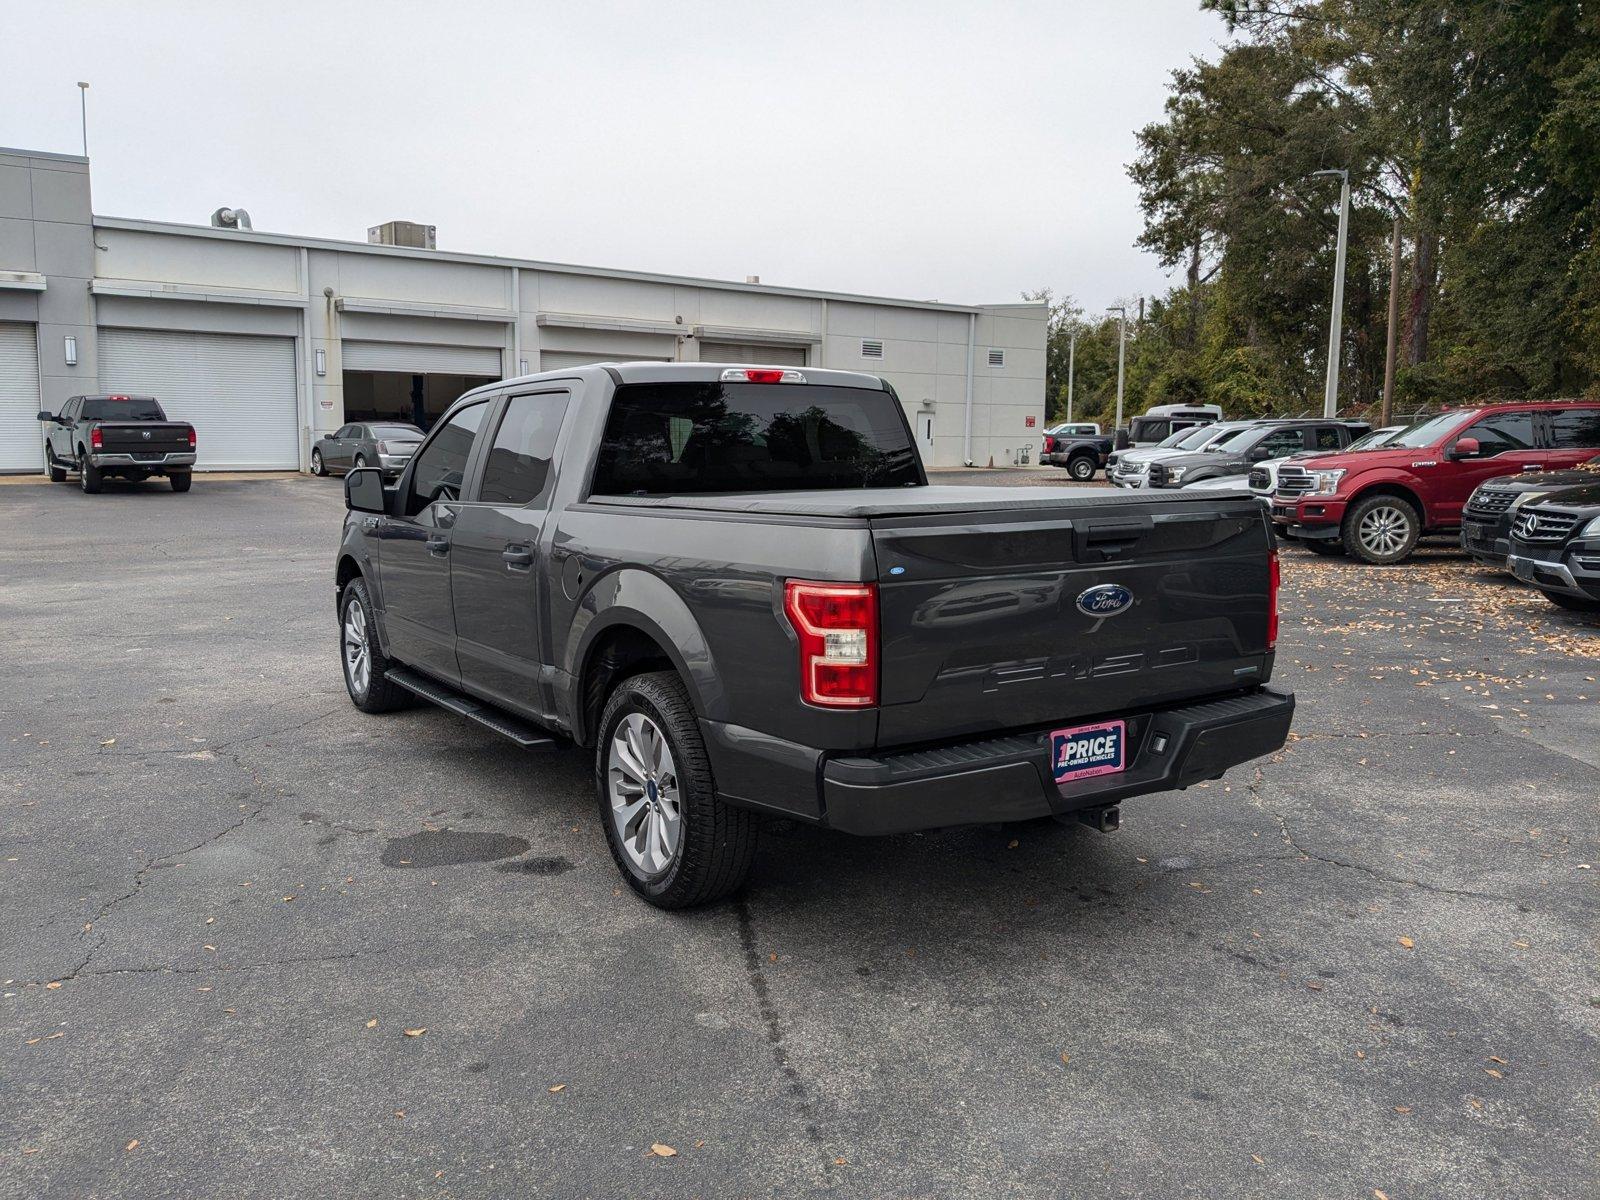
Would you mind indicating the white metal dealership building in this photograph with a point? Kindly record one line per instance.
(265, 341)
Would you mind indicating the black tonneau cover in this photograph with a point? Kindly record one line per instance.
(930, 501)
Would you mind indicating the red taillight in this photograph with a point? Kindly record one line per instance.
(1274, 579)
(191, 437)
(96, 440)
(837, 624)
(1049, 445)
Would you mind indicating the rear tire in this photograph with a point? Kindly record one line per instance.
(1381, 529)
(360, 655)
(180, 481)
(361, 461)
(712, 844)
(1581, 604)
(1081, 468)
(89, 476)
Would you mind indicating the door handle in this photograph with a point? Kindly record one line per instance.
(517, 558)
(370, 523)
(438, 546)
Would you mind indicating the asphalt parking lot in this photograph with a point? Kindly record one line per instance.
(258, 944)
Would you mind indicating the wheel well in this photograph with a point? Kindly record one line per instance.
(348, 570)
(620, 651)
(1399, 491)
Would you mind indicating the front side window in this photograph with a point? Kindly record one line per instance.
(518, 467)
(1575, 428)
(441, 465)
(1280, 442)
(678, 438)
(1502, 432)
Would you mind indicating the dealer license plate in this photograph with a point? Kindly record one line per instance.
(1085, 751)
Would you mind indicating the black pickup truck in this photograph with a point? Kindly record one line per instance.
(124, 436)
(734, 586)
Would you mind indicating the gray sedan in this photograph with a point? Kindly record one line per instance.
(387, 445)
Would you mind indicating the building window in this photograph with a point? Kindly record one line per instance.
(871, 348)
(997, 358)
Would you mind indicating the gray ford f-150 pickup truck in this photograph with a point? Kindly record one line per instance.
(735, 587)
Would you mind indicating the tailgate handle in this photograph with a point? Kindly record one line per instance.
(1101, 541)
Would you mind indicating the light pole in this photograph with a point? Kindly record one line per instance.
(1122, 346)
(1072, 354)
(83, 113)
(1330, 397)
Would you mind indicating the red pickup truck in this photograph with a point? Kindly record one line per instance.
(1375, 504)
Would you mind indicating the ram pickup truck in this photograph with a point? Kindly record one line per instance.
(734, 587)
(1376, 504)
(124, 436)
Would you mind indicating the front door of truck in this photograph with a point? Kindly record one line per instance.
(496, 576)
(1507, 445)
(415, 545)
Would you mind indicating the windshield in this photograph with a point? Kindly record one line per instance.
(665, 439)
(121, 408)
(399, 432)
(1371, 441)
(1425, 433)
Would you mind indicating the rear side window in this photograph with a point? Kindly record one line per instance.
(442, 464)
(127, 408)
(1150, 431)
(678, 438)
(1576, 428)
(1327, 438)
(1500, 432)
(518, 467)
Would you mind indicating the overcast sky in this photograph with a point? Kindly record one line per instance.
(937, 150)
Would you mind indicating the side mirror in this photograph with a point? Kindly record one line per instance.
(363, 491)
(1465, 448)
(1260, 454)
(45, 416)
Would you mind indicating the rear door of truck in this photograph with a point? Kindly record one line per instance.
(1052, 607)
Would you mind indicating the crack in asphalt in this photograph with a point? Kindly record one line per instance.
(804, 1104)
(1372, 872)
(301, 960)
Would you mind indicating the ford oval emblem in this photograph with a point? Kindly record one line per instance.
(1105, 600)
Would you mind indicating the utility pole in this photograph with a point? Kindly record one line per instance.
(1072, 354)
(1394, 319)
(1330, 397)
(83, 113)
(1122, 346)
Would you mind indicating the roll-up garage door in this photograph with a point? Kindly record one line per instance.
(731, 352)
(237, 390)
(20, 438)
(417, 358)
(561, 360)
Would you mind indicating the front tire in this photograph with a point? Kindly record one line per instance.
(1081, 468)
(57, 474)
(317, 466)
(362, 658)
(89, 476)
(180, 480)
(1381, 529)
(676, 844)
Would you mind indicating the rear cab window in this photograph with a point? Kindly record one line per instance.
(681, 438)
(121, 408)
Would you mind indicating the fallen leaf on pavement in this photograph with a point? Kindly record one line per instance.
(560, 1087)
(416, 1032)
(372, 1024)
(1408, 943)
(662, 1150)
(133, 1145)
(53, 984)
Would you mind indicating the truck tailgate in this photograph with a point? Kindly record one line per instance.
(982, 628)
(144, 437)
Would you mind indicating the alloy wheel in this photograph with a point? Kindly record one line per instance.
(1384, 530)
(642, 784)
(357, 648)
